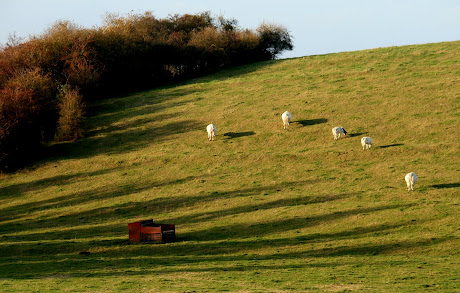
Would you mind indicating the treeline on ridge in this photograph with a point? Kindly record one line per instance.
(45, 80)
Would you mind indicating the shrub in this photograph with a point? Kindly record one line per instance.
(80, 69)
(274, 39)
(18, 133)
(27, 115)
(70, 115)
(44, 98)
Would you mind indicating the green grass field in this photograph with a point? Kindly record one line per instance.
(261, 209)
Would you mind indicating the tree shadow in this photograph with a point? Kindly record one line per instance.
(238, 134)
(188, 257)
(97, 194)
(446, 185)
(124, 210)
(232, 231)
(117, 142)
(229, 233)
(390, 145)
(124, 124)
(193, 256)
(260, 206)
(232, 72)
(19, 189)
(308, 122)
(225, 244)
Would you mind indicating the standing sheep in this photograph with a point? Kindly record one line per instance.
(337, 132)
(366, 142)
(211, 128)
(411, 179)
(286, 117)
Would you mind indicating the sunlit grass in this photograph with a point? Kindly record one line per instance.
(261, 209)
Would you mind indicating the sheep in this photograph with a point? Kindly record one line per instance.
(211, 129)
(411, 179)
(286, 117)
(366, 142)
(337, 132)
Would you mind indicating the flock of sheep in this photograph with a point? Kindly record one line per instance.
(337, 132)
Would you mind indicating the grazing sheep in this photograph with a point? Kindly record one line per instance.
(211, 128)
(337, 132)
(411, 179)
(366, 142)
(286, 117)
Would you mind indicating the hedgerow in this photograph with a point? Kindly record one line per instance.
(126, 53)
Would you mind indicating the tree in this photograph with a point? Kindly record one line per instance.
(274, 39)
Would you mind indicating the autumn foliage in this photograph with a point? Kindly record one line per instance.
(45, 80)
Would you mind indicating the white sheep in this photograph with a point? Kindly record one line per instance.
(286, 117)
(411, 179)
(337, 132)
(366, 142)
(211, 129)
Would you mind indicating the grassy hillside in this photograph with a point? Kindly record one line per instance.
(261, 209)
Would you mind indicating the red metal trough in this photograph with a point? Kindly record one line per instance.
(147, 231)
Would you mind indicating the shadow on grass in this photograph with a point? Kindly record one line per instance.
(231, 232)
(96, 222)
(170, 204)
(124, 124)
(19, 189)
(131, 209)
(446, 185)
(119, 142)
(311, 121)
(186, 256)
(55, 253)
(281, 226)
(356, 134)
(97, 194)
(238, 134)
(390, 145)
(236, 71)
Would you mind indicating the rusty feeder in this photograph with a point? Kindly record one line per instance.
(148, 231)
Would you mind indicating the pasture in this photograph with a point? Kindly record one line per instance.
(260, 209)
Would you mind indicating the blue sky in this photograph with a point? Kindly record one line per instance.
(318, 27)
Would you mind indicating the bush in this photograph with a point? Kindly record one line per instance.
(18, 134)
(27, 114)
(70, 115)
(274, 39)
(44, 97)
